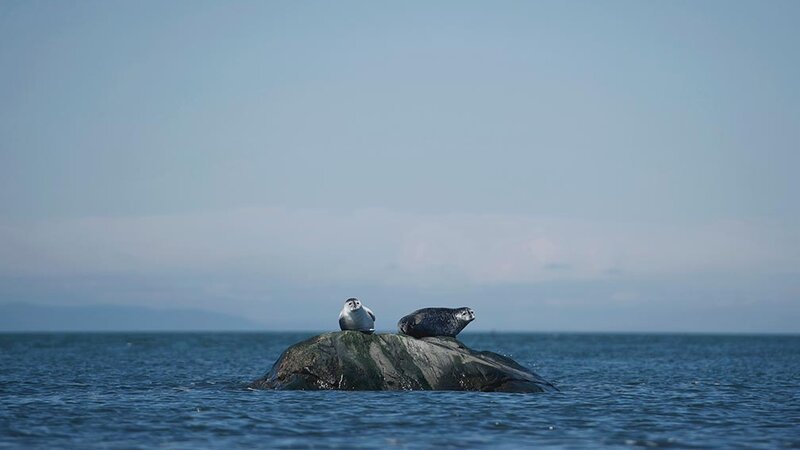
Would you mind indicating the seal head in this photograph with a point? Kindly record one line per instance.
(355, 316)
(428, 322)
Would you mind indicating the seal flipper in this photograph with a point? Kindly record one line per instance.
(369, 312)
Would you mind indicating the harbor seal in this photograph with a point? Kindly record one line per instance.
(355, 316)
(436, 322)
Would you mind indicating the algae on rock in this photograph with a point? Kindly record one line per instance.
(351, 360)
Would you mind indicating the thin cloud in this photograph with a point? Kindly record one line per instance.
(387, 247)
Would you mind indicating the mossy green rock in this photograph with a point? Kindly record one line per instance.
(355, 361)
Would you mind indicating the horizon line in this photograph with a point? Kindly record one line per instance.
(490, 332)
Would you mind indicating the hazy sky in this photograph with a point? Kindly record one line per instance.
(624, 166)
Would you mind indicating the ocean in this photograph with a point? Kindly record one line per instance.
(189, 390)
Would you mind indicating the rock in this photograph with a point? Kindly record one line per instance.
(355, 361)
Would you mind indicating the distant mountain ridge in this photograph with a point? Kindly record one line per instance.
(20, 317)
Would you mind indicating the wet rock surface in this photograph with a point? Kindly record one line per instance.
(351, 360)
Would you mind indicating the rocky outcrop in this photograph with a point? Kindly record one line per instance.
(351, 360)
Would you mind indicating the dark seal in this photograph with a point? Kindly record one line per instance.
(429, 322)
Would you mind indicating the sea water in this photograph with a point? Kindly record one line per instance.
(189, 390)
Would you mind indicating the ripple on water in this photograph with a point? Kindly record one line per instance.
(189, 391)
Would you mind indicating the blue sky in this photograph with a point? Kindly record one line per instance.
(614, 166)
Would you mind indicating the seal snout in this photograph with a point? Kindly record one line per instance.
(352, 303)
(470, 314)
(466, 314)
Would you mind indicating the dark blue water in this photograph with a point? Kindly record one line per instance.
(189, 391)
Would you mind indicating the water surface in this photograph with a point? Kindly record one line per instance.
(189, 390)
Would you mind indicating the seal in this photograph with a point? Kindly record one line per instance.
(355, 316)
(428, 322)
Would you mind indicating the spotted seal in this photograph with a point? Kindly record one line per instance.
(436, 322)
(355, 316)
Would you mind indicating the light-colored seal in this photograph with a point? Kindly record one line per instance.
(436, 322)
(355, 316)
